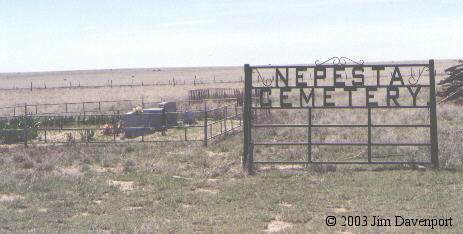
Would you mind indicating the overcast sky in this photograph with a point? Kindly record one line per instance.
(66, 35)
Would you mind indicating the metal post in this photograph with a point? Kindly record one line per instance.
(309, 135)
(186, 139)
(144, 127)
(225, 119)
(433, 115)
(205, 124)
(369, 134)
(114, 124)
(247, 148)
(210, 130)
(25, 125)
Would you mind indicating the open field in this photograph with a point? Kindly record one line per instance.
(123, 76)
(185, 188)
(148, 188)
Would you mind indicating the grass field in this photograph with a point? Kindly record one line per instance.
(189, 188)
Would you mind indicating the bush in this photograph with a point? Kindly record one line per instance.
(12, 130)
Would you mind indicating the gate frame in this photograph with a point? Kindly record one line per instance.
(248, 144)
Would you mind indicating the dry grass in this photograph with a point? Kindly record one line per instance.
(145, 188)
(185, 188)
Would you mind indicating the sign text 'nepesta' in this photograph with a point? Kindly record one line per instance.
(341, 85)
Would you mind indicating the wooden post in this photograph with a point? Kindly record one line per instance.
(433, 115)
(31, 85)
(205, 124)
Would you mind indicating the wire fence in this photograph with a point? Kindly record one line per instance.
(110, 84)
(202, 126)
(99, 107)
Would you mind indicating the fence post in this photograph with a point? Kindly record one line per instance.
(247, 146)
(25, 125)
(205, 124)
(31, 85)
(433, 115)
(186, 139)
(369, 134)
(225, 119)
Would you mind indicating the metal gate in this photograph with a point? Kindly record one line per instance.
(333, 85)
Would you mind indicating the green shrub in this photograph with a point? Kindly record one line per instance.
(12, 130)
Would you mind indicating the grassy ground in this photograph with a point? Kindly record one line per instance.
(149, 188)
(186, 188)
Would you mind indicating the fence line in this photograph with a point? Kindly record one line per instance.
(45, 129)
(110, 84)
(88, 108)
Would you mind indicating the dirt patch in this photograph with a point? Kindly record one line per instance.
(282, 167)
(70, 171)
(286, 205)
(43, 210)
(276, 226)
(186, 206)
(214, 154)
(10, 197)
(339, 210)
(130, 208)
(98, 169)
(118, 169)
(207, 190)
(123, 185)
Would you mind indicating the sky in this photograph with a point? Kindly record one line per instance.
(46, 35)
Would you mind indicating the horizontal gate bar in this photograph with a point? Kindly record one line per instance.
(338, 125)
(343, 65)
(339, 107)
(315, 162)
(331, 86)
(341, 143)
